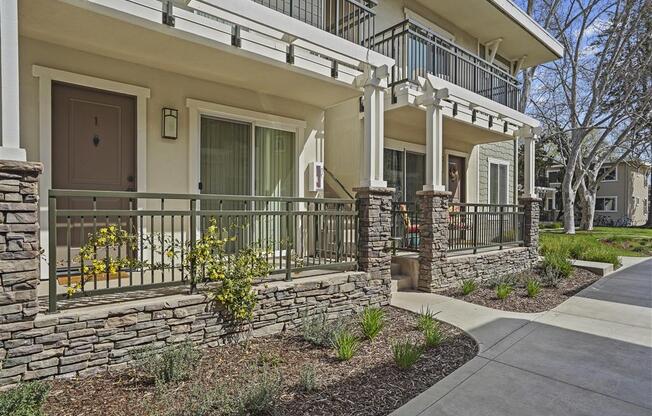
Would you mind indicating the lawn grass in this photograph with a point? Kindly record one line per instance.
(602, 242)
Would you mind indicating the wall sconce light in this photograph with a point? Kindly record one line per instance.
(170, 127)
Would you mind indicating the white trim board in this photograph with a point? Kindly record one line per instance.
(495, 161)
(466, 156)
(45, 76)
(198, 108)
(395, 144)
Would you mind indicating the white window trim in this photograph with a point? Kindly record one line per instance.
(609, 180)
(614, 197)
(550, 203)
(491, 161)
(449, 152)
(548, 176)
(410, 14)
(198, 108)
(45, 77)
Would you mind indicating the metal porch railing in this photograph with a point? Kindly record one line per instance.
(480, 226)
(418, 51)
(295, 235)
(405, 226)
(353, 20)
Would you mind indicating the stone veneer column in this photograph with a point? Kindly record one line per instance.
(433, 236)
(19, 242)
(531, 207)
(374, 230)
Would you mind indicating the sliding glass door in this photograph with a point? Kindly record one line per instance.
(406, 172)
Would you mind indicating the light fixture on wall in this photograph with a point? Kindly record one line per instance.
(170, 127)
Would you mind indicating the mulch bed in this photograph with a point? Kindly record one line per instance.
(369, 384)
(518, 301)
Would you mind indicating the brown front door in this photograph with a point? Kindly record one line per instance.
(93, 139)
(457, 178)
(93, 148)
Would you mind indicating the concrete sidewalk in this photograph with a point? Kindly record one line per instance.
(592, 355)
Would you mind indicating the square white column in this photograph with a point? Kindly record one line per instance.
(374, 132)
(9, 79)
(434, 147)
(529, 144)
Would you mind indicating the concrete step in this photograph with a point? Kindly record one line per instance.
(601, 269)
(396, 268)
(402, 282)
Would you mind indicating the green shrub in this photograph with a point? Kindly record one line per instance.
(509, 279)
(318, 330)
(169, 364)
(426, 319)
(503, 290)
(308, 378)
(24, 400)
(603, 254)
(468, 286)
(533, 288)
(552, 226)
(372, 321)
(406, 353)
(198, 402)
(346, 344)
(433, 336)
(261, 395)
(558, 263)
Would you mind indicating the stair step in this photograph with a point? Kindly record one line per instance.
(402, 282)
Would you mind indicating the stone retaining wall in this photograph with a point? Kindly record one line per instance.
(85, 341)
(451, 271)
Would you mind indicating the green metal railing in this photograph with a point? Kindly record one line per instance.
(479, 226)
(294, 234)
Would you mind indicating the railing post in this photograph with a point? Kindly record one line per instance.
(289, 242)
(501, 225)
(475, 229)
(52, 254)
(338, 238)
(193, 241)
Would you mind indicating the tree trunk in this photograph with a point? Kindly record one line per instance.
(569, 211)
(587, 205)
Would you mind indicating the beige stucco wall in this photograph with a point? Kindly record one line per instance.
(632, 193)
(167, 160)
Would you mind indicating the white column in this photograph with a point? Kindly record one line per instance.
(374, 130)
(434, 147)
(9, 101)
(528, 166)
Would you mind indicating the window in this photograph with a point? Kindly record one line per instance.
(554, 176)
(611, 176)
(606, 204)
(406, 172)
(550, 204)
(498, 182)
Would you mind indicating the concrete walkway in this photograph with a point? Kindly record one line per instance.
(592, 355)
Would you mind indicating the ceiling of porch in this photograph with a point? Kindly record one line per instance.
(408, 123)
(82, 29)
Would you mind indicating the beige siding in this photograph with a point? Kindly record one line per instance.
(502, 151)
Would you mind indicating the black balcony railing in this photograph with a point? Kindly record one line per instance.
(353, 20)
(481, 226)
(405, 225)
(418, 51)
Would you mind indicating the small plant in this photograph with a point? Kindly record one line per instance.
(24, 400)
(433, 336)
(372, 321)
(169, 364)
(346, 344)
(308, 378)
(468, 286)
(503, 290)
(198, 402)
(261, 395)
(558, 262)
(426, 319)
(317, 330)
(533, 288)
(406, 353)
(268, 359)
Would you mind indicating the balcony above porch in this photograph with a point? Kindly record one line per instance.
(238, 43)
(418, 52)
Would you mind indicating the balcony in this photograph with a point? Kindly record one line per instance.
(418, 51)
(353, 20)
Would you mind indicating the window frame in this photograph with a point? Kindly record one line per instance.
(498, 162)
(548, 172)
(614, 197)
(609, 180)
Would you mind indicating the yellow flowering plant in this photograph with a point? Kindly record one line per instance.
(212, 259)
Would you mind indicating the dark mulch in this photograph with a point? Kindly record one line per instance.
(369, 384)
(518, 301)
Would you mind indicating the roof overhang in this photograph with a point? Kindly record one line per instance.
(488, 20)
